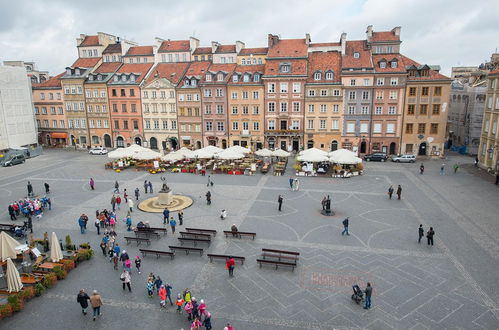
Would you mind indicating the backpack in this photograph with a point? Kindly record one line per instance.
(188, 307)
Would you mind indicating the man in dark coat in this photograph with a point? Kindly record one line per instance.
(390, 192)
(47, 188)
(369, 292)
(399, 191)
(12, 212)
(30, 189)
(429, 236)
(421, 233)
(279, 200)
(82, 298)
(345, 227)
(166, 216)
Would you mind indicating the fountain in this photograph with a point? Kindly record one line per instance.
(165, 199)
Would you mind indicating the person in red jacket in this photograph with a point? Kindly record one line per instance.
(162, 296)
(229, 264)
(118, 201)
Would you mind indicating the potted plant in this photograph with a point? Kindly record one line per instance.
(39, 289)
(5, 311)
(28, 293)
(68, 264)
(69, 243)
(49, 280)
(16, 302)
(60, 272)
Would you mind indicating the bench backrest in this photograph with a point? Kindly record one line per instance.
(281, 251)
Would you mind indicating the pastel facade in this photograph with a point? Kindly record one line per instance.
(488, 153)
(174, 51)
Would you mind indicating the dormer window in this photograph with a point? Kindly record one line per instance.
(123, 78)
(356, 55)
(208, 77)
(246, 78)
(186, 82)
(235, 78)
(243, 61)
(220, 77)
(382, 64)
(132, 78)
(90, 77)
(194, 82)
(329, 75)
(116, 78)
(412, 73)
(425, 73)
(393, 64)
(256, 77)
(285, 68)
(99, 77)
(68, 71)
(317, 76)
(77, 71)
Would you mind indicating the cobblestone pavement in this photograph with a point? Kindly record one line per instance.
(452, 285)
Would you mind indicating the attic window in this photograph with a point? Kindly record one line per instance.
(123, 78)
(220, 77)
(256, 77)
(424, 73)
(208, 77)
(317, 76)
(132, 78)
(186, 82)
(77, 71)
(193, 82)
(285, 68)
(235, 78)
(382, 64)
(116, 78)
(90, 77)
(329, 75)
(99, 77)
(356, 55)
(412, 73)
(246, 77)
(393, 64)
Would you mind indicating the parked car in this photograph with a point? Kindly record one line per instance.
(14, 160)
(377, 156)
(404, 158)
(98, 151)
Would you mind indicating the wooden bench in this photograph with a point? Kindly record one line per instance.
(186, 249)
(7, 227)
(163, 230)
(195, 235)
(203, 231)
(223, 256)
(157, 253)
(239, 234)
(147, 234)
(281, 252)
(279, 256)
(194, 240)
(276, 263)
(139, 240)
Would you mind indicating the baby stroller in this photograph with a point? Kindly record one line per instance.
(357, 295)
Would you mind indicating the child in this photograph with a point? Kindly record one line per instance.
(207, 321)
(157, 283)
(128, 265)
(188, 310)
(138, 261)
(162, 296)
(150, 287)
(115, 260)
(196, 324)
(179, 303)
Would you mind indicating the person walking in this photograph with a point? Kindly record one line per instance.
(291, 181)
(179, 302)
(345, 226)
(130, 204)
(96, 302)
(47, 188)
(390, 192)
(456, 167)
(30, 189)
(169, 288)
(421, 233)
(150, 187)
(429, 236)
(279, 201)
(118, 201)
(161, 294)
(207, 321)
(138, 263)
(229, 265)
(209, 182)
(323, 202)
(146, 185)
(12, 212)
(103, 247)
(173, 223)
(82, 224)
(442, 169)
(124, 257)
(126, 279)
(296, 185)
(208, 198)
(92, 184)
(128, 223)
(166, 215)
(116, 187)
(180, 218)
(368, 292)
(421, 169)
(97, 225)
(476, 161)
(223, 214)
(82, 298)
(113, 203)
(399, 191)
(125, 195)
(137, 194)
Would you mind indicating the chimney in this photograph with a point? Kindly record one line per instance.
(118, 40)
(343, 43)
(369, 32)
(272, 40)
(214, 45)
(80, 39)
(193, 44)
(396, 31)
(239, 45)
(308, 40)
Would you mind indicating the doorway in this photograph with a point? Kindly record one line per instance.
(153, 143)
(198, 144)
(120, 142)
(392, 148)
(310, 144)
(296, 145)
(283, 145)
(173, 143)
(422, 149)
(363, 147)
(334, 145)
(138, 141)
(49, 143)
(107, 141)
(212, 143)
(224, 144)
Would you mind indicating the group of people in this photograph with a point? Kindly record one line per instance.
(294, 184)
(29, 207)
(429, 234)
(391, 190)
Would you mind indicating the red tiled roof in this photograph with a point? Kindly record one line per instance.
(108, 67)
(323, 62)
(224, 49)
(364, 60)
(494, 72)
(140, 50)
(112, 48)
(433, 75)
(141, 69)
(196, 69)
(254, 51)
(242, 69)
(174, 46)
(324, 44)
(388, 58)
(51, 83)
(173, 72)
(289, 48)
(215, 68)
(385, 36)
(298, 67)
(90, 41)
(202, 51)
(86, 62)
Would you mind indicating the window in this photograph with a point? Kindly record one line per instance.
(336, 108)
(245, 95)
(365, 95)
(82, 106)
(91, 123)
(423, 109)
(246, 78)
(115, 108)
(99, 123)
(88, 94)
(125, 124)
(220, 77)
(296, 106)
(271, 124)
(58, 96)
(336, 92)
(207, 109)
(351, 95)
(434, 128)
(245, 125)
(410, 109)
(209, 126)
(317, 76)
(156, 124)
(365, 110)
(310, 124)
(356, 55)
(235, 78)
(409, 148)
(256, 78)
(60, 111)
(116, 124)
(256, 95)
(271, 87)
(382, 64)
(335, 124)
(245, 110)
(45, 123)
(235, 126)
(220, 109)
(379, 95)
(284, 106)
(412, 91)
(366, 82)
(89, 108)
(77, 123)
(436, 109)
(285, 68)
(234, 95)
(351, 110)
(352, 82)
(296, 87)
(220, 126)
(329, 75)
(393, 95)
(61, 122)
(256, 109)
(378, 110)
(271, 106)
(409, 128)
(377, 128)
(393, 64)
(207, 92)
(322, 124)
(311, 107)
(123, 108)
(323, 92)
(394, 81)
(284, 87)
(425, 91)
(256, 126)
(323, 107)
(380, 81)
(350, 127)
(295, 124)
(122, 92)
(438, 91)
(208, 77)
(220, 92)
(311, 92)
(390, 128)
(392, 110)
(174, 125)
(44, 110)
(234, 110)
(421, 128)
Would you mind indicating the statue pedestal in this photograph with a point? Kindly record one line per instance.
(165, 198)
(327, 212)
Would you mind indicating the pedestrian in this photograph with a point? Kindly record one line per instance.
(196, 324)
(223, 214)
(128, 265)
(96, 302)
(208, 198)
(82, 224)
(442, 169)
(195, 308)
(166, 215)
(118, 201)
(429, 236)
(179, 302)
(12, 212)
(399, 191)
(124, 257)
(128, 223)
(138, 262)
(116, 187)
(47, 188)
(421, 233)
(150, 187)
(291, 181)
(390, 192)
(130, 204)
(497, 178)
(180, 218)
(228, 327)
(456, 167)
(92, 184)
(30, 224)
(103, 247)
(368, 292)
(115, 259)
(173, 223)
(150, 288)
(207, 321)
(296, 185)
(162, 296)
(97, 225)
(323, 202)
(229, 265)
(125, 195)
(126, 279)
(345, 226)
(169, 288)
(157, 283)
(82, 298)
(188, 310)
(421, 169)
(113, 203)
(137, 194)
(279, 201)
(30, 189)
(476, 161)
(49, 202)
(233, 229)
(208, 183)
(145, 186)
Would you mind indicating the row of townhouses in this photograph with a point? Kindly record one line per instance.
(293, 94)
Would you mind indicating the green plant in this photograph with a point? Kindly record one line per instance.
(28, 292)
(60, 272)
(69, 243)
(68, 264)
(49, 280)
(16, 301)
(85, 246)
(39, 289)
(5, 311)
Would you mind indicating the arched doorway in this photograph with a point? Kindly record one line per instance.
(334, 145)
(422, 149)
(310, 144)
(198, 144)
(363, 147)
(392, 148)
(174, 143)
(138, 141)
(224, 144)
(107, 141)
(120, 142)
(212, 143)
(153, 143)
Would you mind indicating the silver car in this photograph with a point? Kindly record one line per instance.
(404, 158)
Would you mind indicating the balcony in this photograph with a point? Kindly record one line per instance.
(283, 132)
(245, 133)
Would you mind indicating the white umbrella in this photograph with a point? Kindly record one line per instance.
(55, 249)
(7, 246)
(230, 154)
(314, 151)
(172, 157)
(14, 283)
(200, 154)
(264, 152)
(239, 149)
(280, 153)
(344, 156)
(134, 151)
(146, 155)
(183, 151)
(212, 149)
(313, 158)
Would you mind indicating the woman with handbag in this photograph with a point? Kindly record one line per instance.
(126, 280)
